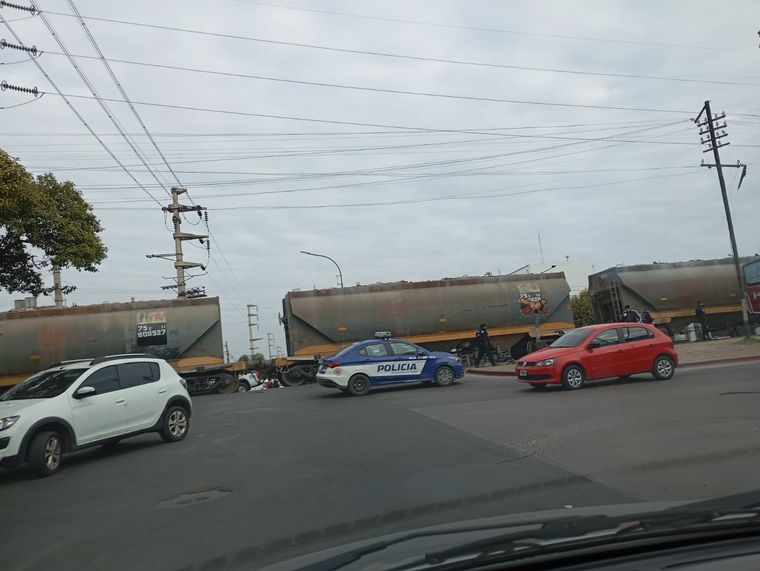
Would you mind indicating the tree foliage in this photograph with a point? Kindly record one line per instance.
(43, 223)
(583, 312)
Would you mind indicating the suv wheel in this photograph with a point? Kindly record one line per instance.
(45, 453)
(175, 425)
(243, 387)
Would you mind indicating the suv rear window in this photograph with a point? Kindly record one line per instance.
(105, 380)
(136, 374)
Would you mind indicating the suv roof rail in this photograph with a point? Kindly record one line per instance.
(105, 358)
(69, 361)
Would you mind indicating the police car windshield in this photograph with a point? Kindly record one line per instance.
(46, 384)
(573, 338)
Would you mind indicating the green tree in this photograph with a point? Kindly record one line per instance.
(258, 360)
(244, 358)
(583, 312)
(43, 223)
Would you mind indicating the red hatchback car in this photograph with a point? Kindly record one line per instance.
(600, 352)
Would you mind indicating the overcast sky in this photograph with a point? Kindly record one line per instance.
(473, 181)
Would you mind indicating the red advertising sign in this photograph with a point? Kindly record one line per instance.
(751, 273)
(753, 297)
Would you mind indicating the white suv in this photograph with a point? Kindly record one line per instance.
(77, 404)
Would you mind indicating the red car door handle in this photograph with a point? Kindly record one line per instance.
(621, 350)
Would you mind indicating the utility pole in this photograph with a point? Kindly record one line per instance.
(57, 286)
(270, 343)
(227, 352)
(180, 265)
(713, 141)
(253, 315)
(540, 248)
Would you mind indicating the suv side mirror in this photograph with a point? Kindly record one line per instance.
(84, 392)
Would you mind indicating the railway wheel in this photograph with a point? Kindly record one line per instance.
(291, 380)
(226, 384)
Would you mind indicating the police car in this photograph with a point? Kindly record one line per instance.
(385, 361)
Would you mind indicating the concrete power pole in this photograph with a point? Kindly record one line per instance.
(713, 141)
(57, 286)
(270, 343)
(227, 352)
(253, 315)
(180, 265)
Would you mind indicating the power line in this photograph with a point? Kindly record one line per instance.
(414, 145)
(319, 133)
(142, 124)
(78, 115)
(373, 183)
(116, 82)
(363, 124)
(425, 59)
(95, 95)
(404, 167)
(496, 30)
(478, 195)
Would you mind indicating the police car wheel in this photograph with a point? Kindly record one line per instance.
(358, 385)
(444, 376)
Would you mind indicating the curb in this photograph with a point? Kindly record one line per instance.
(490, 373)
(718, 361)
(727, 361)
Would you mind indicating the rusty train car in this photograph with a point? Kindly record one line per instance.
(671, 291)
(439, 315)
(187, 333)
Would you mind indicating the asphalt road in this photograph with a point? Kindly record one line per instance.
(264, 476)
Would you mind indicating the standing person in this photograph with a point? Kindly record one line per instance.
(646, 317)
(483, 344)
(630, 315)
(701, 315)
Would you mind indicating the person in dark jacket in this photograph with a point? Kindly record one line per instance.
(483, 345)
(630, 315)
(701, 315)
(646, 317)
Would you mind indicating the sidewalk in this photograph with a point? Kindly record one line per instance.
(689, 354)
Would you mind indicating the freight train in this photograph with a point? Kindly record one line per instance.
(187, 333)
(441, 315)
(670, 291)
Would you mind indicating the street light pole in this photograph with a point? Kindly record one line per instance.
(340, 274)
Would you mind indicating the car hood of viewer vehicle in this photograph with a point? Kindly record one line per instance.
(551, 534)
(550, 352)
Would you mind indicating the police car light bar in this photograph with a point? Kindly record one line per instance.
(382, 334)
